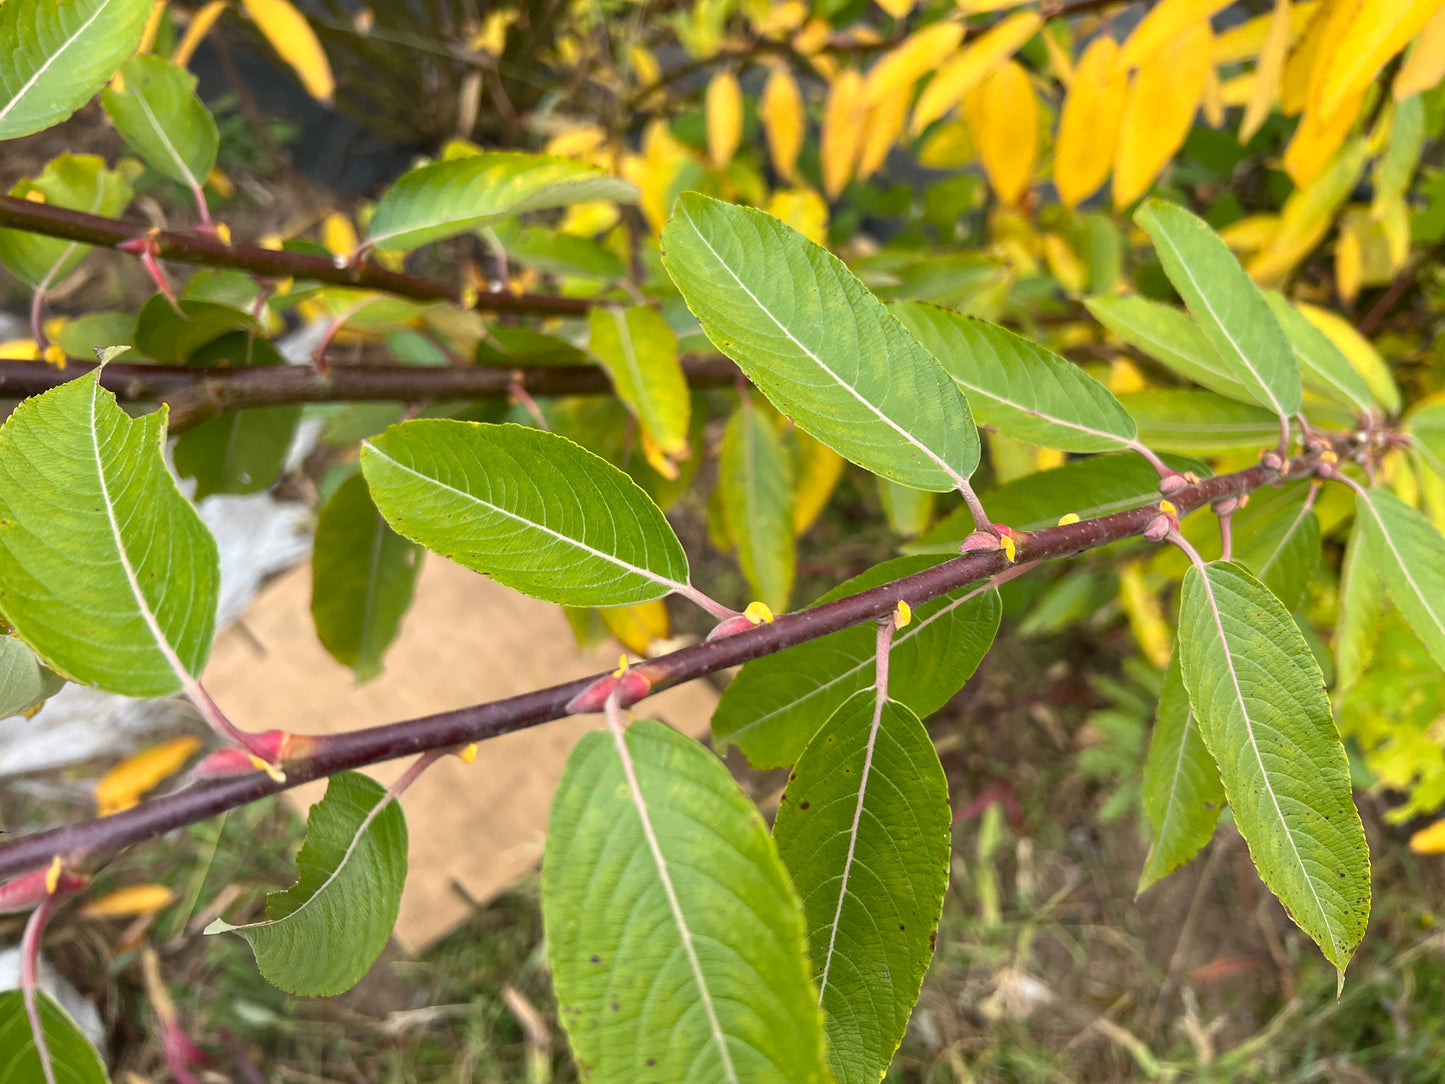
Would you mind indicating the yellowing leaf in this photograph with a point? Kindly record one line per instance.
(817, 469)
(842, 131)
(1089, 125)
(723, 106)
(1146, 616)
(295, 42)
(897, 8)
(638, 625)
(1002, 117)
(1250, 234)
(781, 109)
(129, 901)
(1211, 99)
(1308, 214)
(1315, 141)
(1363, 356)
(968, 68)
(199, 26)
(917, 55)
(1429, 840)
(654, 170)
(1158, 112)
(804, 210)
(1061, 64)
(1065, 265)
(947, 147)
(338, 234)
(1246, 41)
(576, 141)
(1164, 24)
(882, 126)
(135, 777)
(1425, 66)
(1347, 263)
(1333, 36)
(19, 350)
(1269, 71)
(1379, 30)
(645, 68)
(978, 7)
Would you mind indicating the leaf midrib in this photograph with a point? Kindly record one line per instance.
(1401, 565)
(958, 479)
(40, 72)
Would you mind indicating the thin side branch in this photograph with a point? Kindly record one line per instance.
(194, 248)
(85, 844)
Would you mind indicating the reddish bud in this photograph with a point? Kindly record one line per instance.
(979, 542)
(1226, 507)
(630, 686)
(1172, 484)
(1159, 528)
(224, 763)
(1272, 460)
(29, 890)
(731, 627)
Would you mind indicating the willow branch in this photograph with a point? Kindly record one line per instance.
(52, 221)
(86, 843)
(196, 395)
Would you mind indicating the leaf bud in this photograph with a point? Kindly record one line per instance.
(1159, 528)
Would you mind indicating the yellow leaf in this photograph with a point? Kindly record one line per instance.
(1065, 265)
(645, 68)
(1425, 66)
(897, 8)
(1166, 22)
(1294, 92)
(153, 23)
(882, 126)
(295, 42)
(947, 147)
(817, 469)
(779, 19)
(199, 26)
(804, 210)
(638, 625)
(723, 106)
(220, 184)
(1361, 354)
(492, 38)
(978, 7)
(129, 901)
(1268, 71)
(338, 234)
(968, 68)
(1393, 215)
(1002, 117)
(1238, 90)
(1089, 124)
(19, 350)
(781, 110)
(589, 219)
(1158, 112)
(135, 777)
(576, 141)
(1315, 141)
(1060, 62)
(842, 131)
(1347, 264)
(1146, 616)
(1246, 41)
(1211, 100)
(917, 55)
(1429, 840)
(1308, 214)
(1364, 253)
(1250, 234)
(1333, 36)
(1125, 377)
(654, 170)
(1379, 30)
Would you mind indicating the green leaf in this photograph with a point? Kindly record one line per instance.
(1183, 794)
(80, 337)
(909, 511)
(676, 941)
(528, 508)
(1323, 365)
(322, 934)
(72, 1058)
(167, 335)
(1425, 422)
(1199, 422)
(863, 829)
(516, 347)
(1019, 388)
(447, 198)
(1259, 699)
(1170, 337)
(1278, 540)
(105, 569)
(1360, 610)
(242, 451)
(25, 682)
(1409, 554)
(59, 54)
(775, 705)
(818, 344)
(362, 577)
(157, 112)
(1098, 486)
(79, 182)
(755, 474)
(563, 254)
(1230, 308)
(639, 352)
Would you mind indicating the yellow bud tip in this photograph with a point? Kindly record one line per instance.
(470, 297)
(223, 231)
(1067, 518)
(621, 666)
(468, 753)
(902, 615)
(55, 356)
(35, 196)
(759, 613)
(1009, 549)
(276, 774)
(1167, 507)
(52, 875)
(1329, 457)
